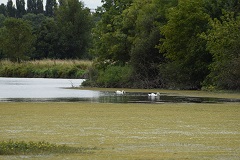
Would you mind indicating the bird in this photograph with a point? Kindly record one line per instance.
(120, 92)
(154, 94)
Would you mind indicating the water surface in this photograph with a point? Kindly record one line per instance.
(42, 89)
(60, 90)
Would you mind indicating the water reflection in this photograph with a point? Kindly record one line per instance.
(136, 97)
(55, 90)
(42, 88)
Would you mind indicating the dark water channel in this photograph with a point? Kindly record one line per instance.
(57, 90)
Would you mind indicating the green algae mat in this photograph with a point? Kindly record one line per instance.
(125, 131)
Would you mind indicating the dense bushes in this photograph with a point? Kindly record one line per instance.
(112, 76)
(45, 69)
(188, 44)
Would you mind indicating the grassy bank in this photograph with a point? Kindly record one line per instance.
(45, 69)
(126, 131)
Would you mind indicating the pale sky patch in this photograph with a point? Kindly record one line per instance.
(92, 4)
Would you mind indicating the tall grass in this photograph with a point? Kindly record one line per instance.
(45, 68)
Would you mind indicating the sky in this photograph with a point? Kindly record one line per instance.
(92, 4)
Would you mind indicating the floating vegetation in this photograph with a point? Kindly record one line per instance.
(39, 148)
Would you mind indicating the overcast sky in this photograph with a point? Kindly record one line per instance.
(92, 4)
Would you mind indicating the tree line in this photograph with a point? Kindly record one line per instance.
(178, 44)
(33, 6)
(61, 31)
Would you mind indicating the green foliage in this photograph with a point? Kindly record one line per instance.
(66, 35)
(114, 76)
(128, 34)
(74, 24)
(50, 7)
(223, 43)
(31, 6)
(3, 9)
(39, 7)
(92, 75)
(183, 45)
(175, 78)
(35, 20)
(20, 8)
(11, 10)
(110, 44)
(47, 40)
(145, 57)
(36, 148)
(2, 19)
(163, 43)
(16, 39)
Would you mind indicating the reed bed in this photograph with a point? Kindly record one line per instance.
(126, 131)
(83, 64)
(45, 68)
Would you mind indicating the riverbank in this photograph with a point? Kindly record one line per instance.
(126, 131)
(45, 69)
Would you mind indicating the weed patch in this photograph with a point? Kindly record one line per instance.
(38, 148)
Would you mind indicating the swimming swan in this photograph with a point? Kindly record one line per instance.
(154, 94)
(120, 92)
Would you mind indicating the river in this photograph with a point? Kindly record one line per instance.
(37, 89)
(61, 90)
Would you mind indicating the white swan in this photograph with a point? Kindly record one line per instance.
(120, 92)
(154, 94)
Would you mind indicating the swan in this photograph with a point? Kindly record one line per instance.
(154, 94)
(120, 92)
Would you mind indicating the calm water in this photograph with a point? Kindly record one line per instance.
(57, 90)
(40, 89)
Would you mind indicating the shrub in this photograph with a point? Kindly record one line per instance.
(225, 75)
(114, 76)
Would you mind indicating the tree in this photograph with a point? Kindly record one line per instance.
(126, 36)
(39, 7)
(20, 8)
(3, 9)
(31, 6)
(187, 58)
(74, 22)
(145, 56)
(110, 44)
(16, 39)
(35, 20)
(10, 9)
(223, 43)
(2, 19)
(214, 8)
(50, 7)
(47, 40)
